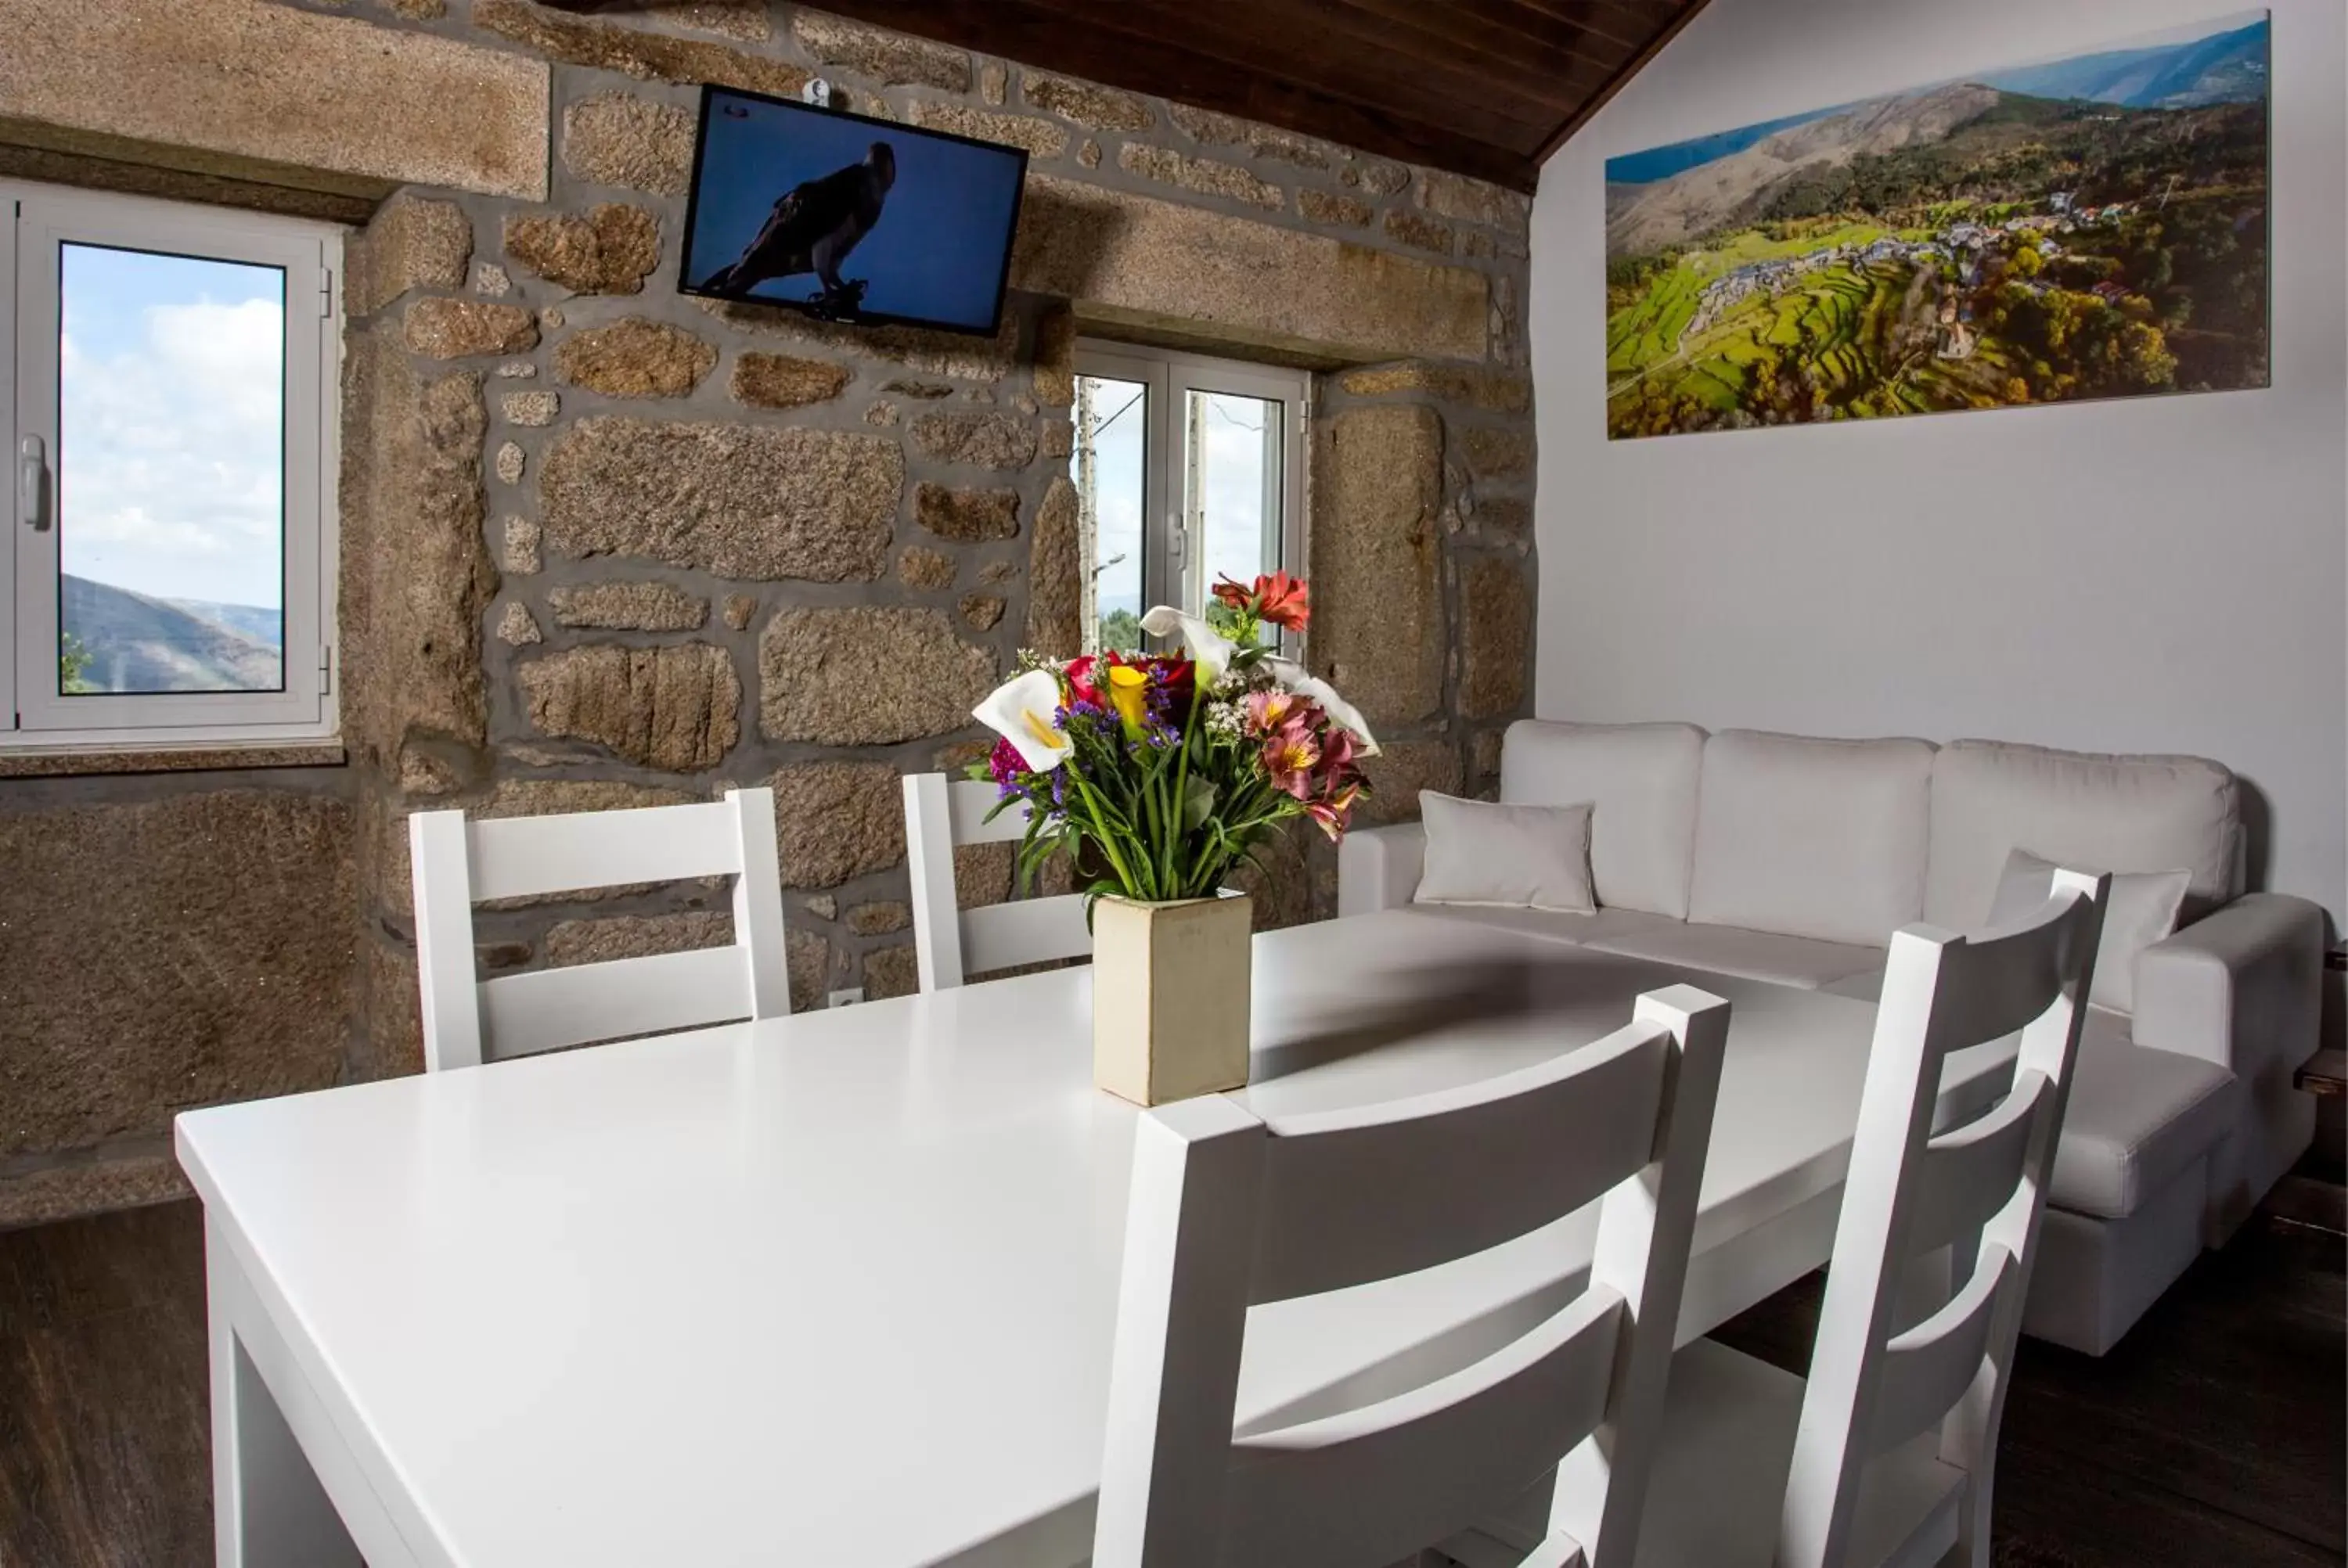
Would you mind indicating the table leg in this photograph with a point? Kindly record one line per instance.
(268, 1508)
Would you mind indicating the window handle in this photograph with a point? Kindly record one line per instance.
(32, 484)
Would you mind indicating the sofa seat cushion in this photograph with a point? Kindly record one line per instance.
(1991, 798)
(1583, 930)
(1745, 954)
(2137, 1117)
(1808, 837)
(1641, 783)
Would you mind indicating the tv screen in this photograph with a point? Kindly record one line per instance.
(849, 218)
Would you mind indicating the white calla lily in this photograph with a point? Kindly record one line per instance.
(1210, 650)
(1292, 677)
(1020, 711)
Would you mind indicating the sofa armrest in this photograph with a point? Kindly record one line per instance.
(1378, 867)
(2242, 987)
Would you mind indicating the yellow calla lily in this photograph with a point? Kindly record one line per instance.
(1127, 688)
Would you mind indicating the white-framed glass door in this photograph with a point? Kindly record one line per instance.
(1189, 470)
(1120, 475)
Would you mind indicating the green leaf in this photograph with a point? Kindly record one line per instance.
(1197, 803)
(1107, 887)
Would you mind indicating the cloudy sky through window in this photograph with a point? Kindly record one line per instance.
(172, 426)
(1232, 473)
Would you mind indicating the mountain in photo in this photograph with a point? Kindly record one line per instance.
(1674, 211)
(2225, 67)
(1669, 196)
(133, 642)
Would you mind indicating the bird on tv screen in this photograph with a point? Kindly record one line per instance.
(850, 219)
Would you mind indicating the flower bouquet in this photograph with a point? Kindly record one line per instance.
(1158, 774)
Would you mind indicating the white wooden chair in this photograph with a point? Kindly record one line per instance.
(458, 864)
(1885, 1455)
(1229, 1211)
(950, 942)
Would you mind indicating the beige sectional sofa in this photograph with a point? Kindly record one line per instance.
(1792, 859)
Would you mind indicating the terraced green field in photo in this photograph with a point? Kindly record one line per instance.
(1834, 321)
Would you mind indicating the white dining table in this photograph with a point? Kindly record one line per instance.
(837, 1289)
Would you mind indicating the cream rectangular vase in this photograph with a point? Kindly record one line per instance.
(1171, 995)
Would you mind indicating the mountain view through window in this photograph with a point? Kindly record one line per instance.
(170, 474)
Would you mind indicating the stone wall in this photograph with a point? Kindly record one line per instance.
(604, 545)
(166, 941)
(734, 547)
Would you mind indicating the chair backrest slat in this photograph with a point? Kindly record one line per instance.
(1972, 1194)
(1395, 1188)
(523, 857)
(1993, 984)
(547, 1009)
(1323, 1490)
(1968, 1172)
(1024, 931)
(1927, 1369)
(1229, 1210)
(950, 943)
(458, 864)
(973, 805)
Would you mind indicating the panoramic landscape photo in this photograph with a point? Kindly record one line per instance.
(2094, 226)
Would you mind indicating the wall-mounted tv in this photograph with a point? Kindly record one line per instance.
(849, 218)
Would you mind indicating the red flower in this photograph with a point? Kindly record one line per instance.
(1280, 600)
(1079, 676)
(1276, 597)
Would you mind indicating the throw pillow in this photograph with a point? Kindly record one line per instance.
(1523, 857)
(2142, 911)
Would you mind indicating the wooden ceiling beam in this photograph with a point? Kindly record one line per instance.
(1452, 49)
(1242, 33)
(1488, 88)
(1689, 8)
(1078, 44)
(1626, 24)
(1494, 35)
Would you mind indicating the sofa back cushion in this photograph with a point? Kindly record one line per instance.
(1641, 783)
(2115, 814)
(1812, 838)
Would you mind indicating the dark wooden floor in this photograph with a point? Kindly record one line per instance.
(2215, 1434)
(104, 1424)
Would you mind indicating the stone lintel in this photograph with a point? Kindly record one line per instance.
(248, 90)
(1135, 261)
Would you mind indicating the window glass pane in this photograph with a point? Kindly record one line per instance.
(1112, 429)
(171, 469)
(1235, 490)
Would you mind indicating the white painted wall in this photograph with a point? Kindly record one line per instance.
(2161, 574)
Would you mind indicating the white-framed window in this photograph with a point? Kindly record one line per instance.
(1187, 470)
(170, 408)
